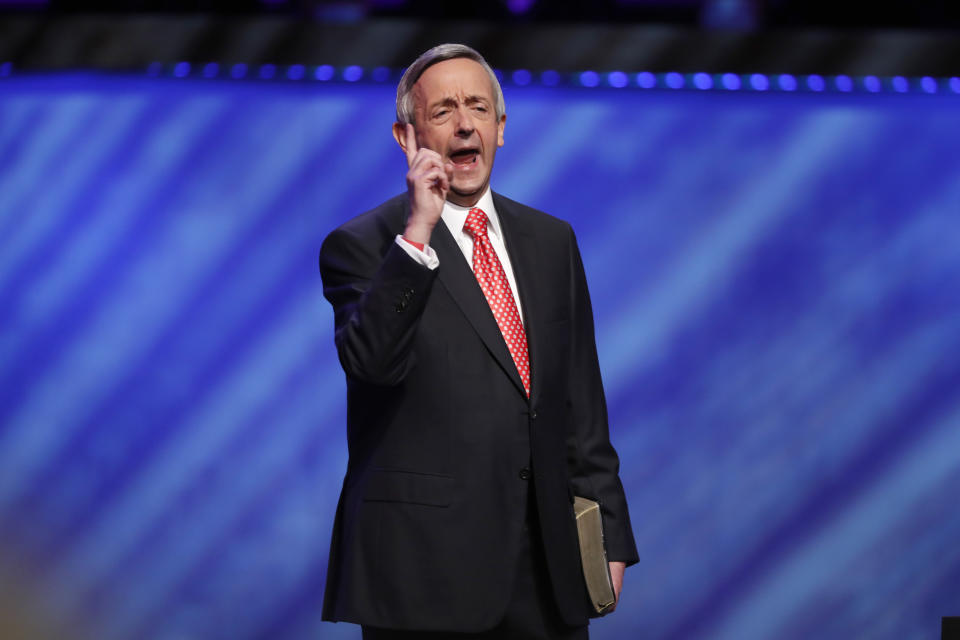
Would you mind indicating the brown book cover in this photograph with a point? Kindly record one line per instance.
(593, 556)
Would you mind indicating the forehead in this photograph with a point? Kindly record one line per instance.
(450, 78)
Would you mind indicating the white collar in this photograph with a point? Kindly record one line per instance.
(455, 215)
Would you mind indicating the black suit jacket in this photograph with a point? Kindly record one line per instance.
(442, 438)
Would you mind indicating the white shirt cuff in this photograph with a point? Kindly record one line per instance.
(427, 257)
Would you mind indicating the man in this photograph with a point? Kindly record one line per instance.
(475, 407)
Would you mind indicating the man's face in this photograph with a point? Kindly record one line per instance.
(455, 115)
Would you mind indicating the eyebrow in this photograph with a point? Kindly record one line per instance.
(472, 99)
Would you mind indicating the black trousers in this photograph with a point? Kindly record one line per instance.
(532, 612)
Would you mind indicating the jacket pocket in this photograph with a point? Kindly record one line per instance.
(387, 485)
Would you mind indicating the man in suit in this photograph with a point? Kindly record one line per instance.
(475, 406)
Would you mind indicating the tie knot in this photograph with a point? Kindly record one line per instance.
(476, 223)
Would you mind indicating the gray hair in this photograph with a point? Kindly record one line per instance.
(431, 57)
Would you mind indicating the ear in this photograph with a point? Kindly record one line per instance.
(500, 125)
(400, 135)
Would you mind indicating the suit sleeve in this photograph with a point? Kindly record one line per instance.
(378, 293)
(592, 460)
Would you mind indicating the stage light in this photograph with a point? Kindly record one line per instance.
(589, 78)
(646, 80)
(519, 6)
(787, 82)
(759, 82)
(522, 77)
(296, 72)
(617, 79)
(550, 78)
(731, 81)
(702, 81)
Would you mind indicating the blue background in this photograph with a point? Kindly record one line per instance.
(775, 286)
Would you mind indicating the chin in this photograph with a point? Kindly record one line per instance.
(470, 189)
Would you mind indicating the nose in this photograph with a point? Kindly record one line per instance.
(464, 123)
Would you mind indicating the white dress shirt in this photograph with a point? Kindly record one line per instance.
(454, 216)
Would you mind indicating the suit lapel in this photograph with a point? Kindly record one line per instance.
(458, 279)
(521, 244)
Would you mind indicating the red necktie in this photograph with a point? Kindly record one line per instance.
(493, 281)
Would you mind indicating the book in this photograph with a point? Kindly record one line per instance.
(593, 556)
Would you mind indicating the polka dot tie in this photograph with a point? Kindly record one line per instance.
(493, 281)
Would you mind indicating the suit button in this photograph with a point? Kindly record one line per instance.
(525, 474)
(533, 415)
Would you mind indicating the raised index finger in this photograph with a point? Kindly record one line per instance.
(411, 146)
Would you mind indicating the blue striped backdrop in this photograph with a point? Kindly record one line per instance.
(775, 281)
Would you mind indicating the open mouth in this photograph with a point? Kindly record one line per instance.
(464, 157)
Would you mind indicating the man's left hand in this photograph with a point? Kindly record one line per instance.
(616, 574)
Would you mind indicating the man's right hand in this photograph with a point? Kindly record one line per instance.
(428, 182)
